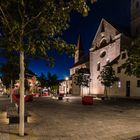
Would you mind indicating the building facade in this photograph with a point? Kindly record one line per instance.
(107, 47)
(65, 86)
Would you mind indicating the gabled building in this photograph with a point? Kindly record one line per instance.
(107, 47)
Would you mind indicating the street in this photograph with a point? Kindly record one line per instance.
(68, 119)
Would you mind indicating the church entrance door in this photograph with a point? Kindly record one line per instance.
(128, 88)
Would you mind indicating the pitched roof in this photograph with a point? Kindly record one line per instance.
(83, 59)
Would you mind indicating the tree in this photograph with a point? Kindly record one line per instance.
(10, 69)
(52, 82)
(43, 80)
(82, 77)
(34, 27)
(107, 77)
(132, 64)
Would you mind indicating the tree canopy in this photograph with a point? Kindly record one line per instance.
(82, 77)
(52, 81)
(36, 26)
(43, 80)
(107, 76)
(132, 64)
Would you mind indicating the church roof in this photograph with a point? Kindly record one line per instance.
(83, 59)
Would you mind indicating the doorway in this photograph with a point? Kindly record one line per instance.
(127, 88)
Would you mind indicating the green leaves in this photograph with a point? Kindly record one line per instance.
(82, 77)
(107, 76)
(36, 26)
(132, 64)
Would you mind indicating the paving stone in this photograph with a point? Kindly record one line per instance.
(60, 120)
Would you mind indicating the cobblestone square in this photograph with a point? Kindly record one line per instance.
(51, 119)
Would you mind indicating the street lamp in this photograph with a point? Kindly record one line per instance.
(66, 78)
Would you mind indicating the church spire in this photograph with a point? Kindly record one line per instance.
(79, 52)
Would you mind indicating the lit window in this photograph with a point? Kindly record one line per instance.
(119, 84)
(138, 83)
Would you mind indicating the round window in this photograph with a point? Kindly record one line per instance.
(102, 54)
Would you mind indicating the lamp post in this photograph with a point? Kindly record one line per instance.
(66, 78)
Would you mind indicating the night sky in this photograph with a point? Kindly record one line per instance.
(116, 11)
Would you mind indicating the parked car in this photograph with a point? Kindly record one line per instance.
(45, 92)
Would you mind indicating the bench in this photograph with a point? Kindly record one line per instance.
(13, 115)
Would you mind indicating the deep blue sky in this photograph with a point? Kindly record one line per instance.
(116, 11)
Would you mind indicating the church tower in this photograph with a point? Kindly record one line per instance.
(135, 17)
(78, 50)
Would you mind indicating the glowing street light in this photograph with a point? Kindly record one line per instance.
(66, 78)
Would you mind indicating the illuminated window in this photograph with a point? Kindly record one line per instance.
(119, 84)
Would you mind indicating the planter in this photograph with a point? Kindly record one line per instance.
(87, 100)
(27, 98)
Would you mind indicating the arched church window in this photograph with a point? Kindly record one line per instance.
(103, 43)
(137, 4)
(98, 66)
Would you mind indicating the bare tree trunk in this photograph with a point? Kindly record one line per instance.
(11, 91)
(82, 90)
(21, 105)
(106, 92)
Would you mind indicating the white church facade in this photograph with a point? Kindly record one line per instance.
(107, 47)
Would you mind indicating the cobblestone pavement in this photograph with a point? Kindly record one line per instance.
(51, 119)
